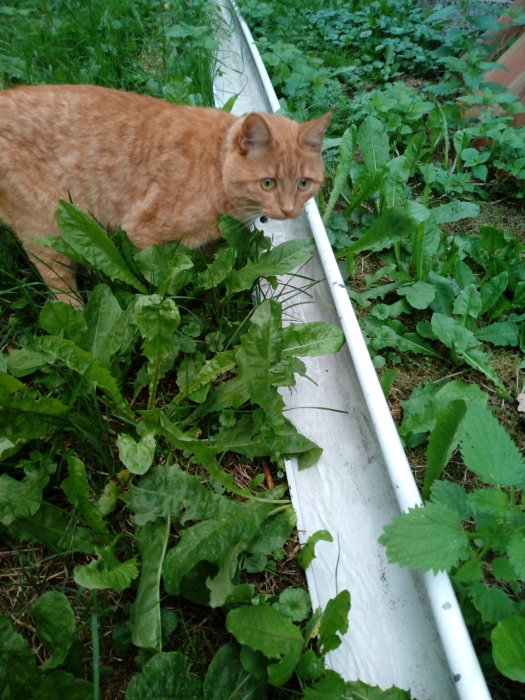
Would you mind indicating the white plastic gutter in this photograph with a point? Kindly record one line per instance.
(405, 629)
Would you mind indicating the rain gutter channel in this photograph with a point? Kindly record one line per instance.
(405, 628)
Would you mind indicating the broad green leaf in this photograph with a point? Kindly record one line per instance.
(419, 294)
(212, 369)
(226, 678)
(108, 327)
(106, 571)
(166, 266)
(70, 354)
(284, 258)
(61, 684)
(59, 318)
(18, 672)
(372, 140)
(307, 552)
(294, 603)
(22, 498)
(88, 239)
(76, 488)
(213, 540)
(488, 450)
(136, 455)
(172, 491)
(346, 153)
(508, 647)
(444, 293)
(492, 291)
(443, 441)
(281, 671)
(464, 345)
(430, 538)
(52, 527)
(274, 532)
(454, 211)
(166, 676)
(146, 628)
(311, 339)
(453, 495)
(501, 333)
(264, 629)
(157, 320)
(218, 270)
(468, 302)
(55, 626)
(516, 553)
(392, 334)
(491, 602)
(391, 226)
(334, 622)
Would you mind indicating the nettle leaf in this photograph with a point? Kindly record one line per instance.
(488, 450)
(334, 622)
(264, 629)
(281, 259)
(226, 678)
(453, 495)
(430, 538)
(307, 552)
(312, 339)
(166, 676)
(89, 240)
(491, 602)
(508, 647)
(76, 488)
(136, 455)
(55, 626)
(106, 571)
(443, 441)
(146, 626)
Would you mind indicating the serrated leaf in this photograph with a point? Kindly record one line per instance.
(430, 538)
(146, 627)
(508, 647)
(264, 629)
(106, 571)
(55, 626)
(334, 622)
(516, 554)
(491, 602)
(453, 495)
(501, 333)
(166, 676)
(488, 450)
(88, 239)
(443, 441)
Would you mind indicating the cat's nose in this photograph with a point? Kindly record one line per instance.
(287, 211)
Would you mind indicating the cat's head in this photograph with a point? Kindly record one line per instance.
(272, 165)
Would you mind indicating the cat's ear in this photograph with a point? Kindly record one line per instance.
(311, 133)
(255, 134)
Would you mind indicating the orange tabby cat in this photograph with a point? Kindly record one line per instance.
(162, 172)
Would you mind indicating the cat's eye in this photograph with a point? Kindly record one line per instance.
(268, 183)
(304, 183)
